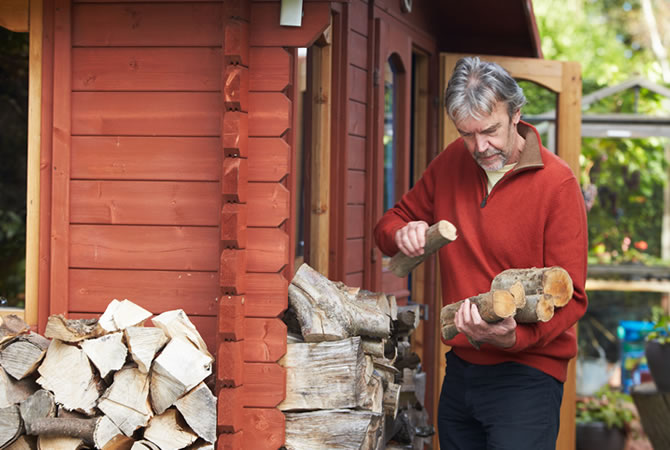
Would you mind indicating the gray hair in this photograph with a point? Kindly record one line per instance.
(476, 86)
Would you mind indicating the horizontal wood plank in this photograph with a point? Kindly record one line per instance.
(194, 292)
(358, 83)
(268, 204)
(355, 255)
(356, 152)
(268, 159)
(144, 247)
(267, 249)
(358, 17)
(145, 202)
(355, 187)
(357, 119)
(146, 24)
(354, 279)
(146, 158)
(269, 114)
(264, 339)
(146, 113)
(269, 69)
(265, 30)
(264, 428)
(355, 221)
(267, 294)
(146, 69)
(264, 384)
(358, 50)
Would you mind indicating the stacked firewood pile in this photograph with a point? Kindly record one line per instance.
(353, 381)
(108, 383)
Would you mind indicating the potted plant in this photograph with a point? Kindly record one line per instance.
(657, 349)
(603, 420)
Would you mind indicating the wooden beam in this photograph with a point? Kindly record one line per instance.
(14, 15)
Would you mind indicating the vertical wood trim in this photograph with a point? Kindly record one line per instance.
(321, 100)
(15, 15)
(60, 218)
(33, 161)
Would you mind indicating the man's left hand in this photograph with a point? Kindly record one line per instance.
(468, 321)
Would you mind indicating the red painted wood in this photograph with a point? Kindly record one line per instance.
(232, 272)
(145, 24)
(144, 247)
(146, 69)
(266, 30)
(235, 88)
(197, 293)
(146, 158)
(146, 113)
(358, 83)
(264, 339)
(268, 159)
(267, 250)
(230, 441)
(144, 202)
(355, 187)
(357, 123)
(236, 41)
(268, 204)
(229, 363)
(231, 317)
(358, 17)
(269, 69)
(237, 8)
(354, 279)
(358, 50)
(267, 294)
(264, 384)
(355, 221)
(354, 256)
(234, 180)
(234, 225)
(264, 429)
(235, 133)
(269, 114)
(356, 153)
(230, 411)
(61, 139)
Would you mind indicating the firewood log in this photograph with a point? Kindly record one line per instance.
(119, 442)
(177, 324)
(538, 308)
(198, 408)
(339, 428)
(179, 368)
(554, 282)
(327, 313)
(11, 326)
(391, 399)
(12, 391)
(60, 443)
(409, 317)
(168, 431)
(373, 394)
(24, 442)
(66, 371)
(107, 353)
(71, 330)
(144, 445)
(143, 344)
(437, 235)
(339, 367)
(493, 306)
(373, 346)
(10, 425)
(126, 401)
(201, 445)
(21, 356)
(124, 314)
(38, 406)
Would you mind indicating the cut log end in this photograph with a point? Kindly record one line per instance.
(558, 285)
(504, 304)
(518, 293)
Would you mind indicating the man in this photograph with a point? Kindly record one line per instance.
(515, 205)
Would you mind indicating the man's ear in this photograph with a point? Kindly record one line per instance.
(516, 117)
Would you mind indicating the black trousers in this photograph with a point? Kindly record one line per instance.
(493, 407)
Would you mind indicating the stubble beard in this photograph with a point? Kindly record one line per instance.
(491, 166)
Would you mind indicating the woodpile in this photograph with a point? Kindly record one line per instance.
(108, 383)
(529, 295)
(353, 381)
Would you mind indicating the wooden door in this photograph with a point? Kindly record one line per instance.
(563, 78)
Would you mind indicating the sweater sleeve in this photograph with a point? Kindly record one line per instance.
(565, 245)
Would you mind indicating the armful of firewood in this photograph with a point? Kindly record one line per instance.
(437, 236)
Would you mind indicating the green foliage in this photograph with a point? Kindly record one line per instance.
(661, 321)
(608, 406)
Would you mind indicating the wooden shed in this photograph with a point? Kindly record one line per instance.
(188, 154)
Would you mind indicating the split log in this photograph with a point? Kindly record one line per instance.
(327, 313)
(66, 371)
(12, 391)
(338, 365)
(201, 445)
(11, 326)
(437, 236)
(126, 401)
(120, 315)
(391, 399)
(554, 282)
(11, 425)
(143, 344)
(24, 442)
(107, 353)
(493, 306)
(340, 428)
(119, 442)
(108, 436)
(373, 346)
(60, 443)
(106, 321)
(71, 330)
(144, 445)
(538, 308)
(38, 406)
(198, 408)
(168, 431)
(179, 368)
(373, 395)
(21, 356)
(653, 408)
(409, 318)
(177, 324)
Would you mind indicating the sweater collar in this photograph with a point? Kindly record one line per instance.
(530, 155)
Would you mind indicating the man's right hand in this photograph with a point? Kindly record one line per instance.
(411, 238)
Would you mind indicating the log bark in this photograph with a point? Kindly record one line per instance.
(107, 353)
(437, 236)
(11, 326)
(198, 408)
(493, 306)
(10, 425)
(61, 427)
(391, 399)
(340, 428)
(327, 313)
(653, 408)
(554, 282)
(409, 318)
(538, 308)
(143, 344)
(126, 401)
(21, 356)
(71, 330)
(373, 346)
(168, 431)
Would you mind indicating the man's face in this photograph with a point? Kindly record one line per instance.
(492, 140)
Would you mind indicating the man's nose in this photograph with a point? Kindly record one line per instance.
(482, 143)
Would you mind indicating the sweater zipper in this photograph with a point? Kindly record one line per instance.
(508, 175)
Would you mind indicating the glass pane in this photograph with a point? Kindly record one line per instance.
(389, 135)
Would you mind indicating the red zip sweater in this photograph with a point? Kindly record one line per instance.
(533, 217)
